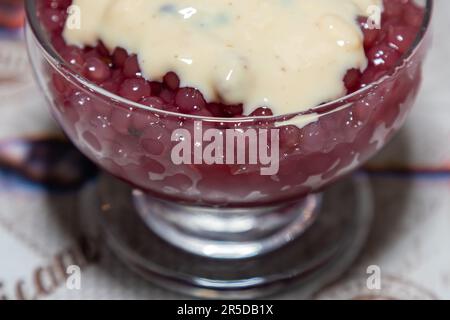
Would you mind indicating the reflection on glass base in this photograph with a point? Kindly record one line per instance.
(307, 248)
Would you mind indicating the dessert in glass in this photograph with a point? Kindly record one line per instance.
(227, 128)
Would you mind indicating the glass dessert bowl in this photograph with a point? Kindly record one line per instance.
(246, 216)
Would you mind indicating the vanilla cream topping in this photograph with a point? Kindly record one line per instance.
(289, 55)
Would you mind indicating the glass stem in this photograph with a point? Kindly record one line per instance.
(227, 233)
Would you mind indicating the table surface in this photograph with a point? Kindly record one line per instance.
(411, 181)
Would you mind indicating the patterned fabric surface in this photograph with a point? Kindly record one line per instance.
(41, 176)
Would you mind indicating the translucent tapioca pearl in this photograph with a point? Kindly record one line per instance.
(89, 52)
(335, 121)
(413, 16)
(102, 50)
(383, 56)
(149, 166)
(216, 109)
(101, 127)
(401, 37)
(96, 109)
(101, 108)
(371, 74)
(189, 100)
(168, 96)
(233, 110)
(56, 4)
(170, 108)
(351, 126)
(225, 111)
(172, 81)
(334, 126)
(153, 102)
(190, 124)
(352, 80)
(135, 89)
(58, 42)
(393, 8)
(42, 4)
(60, 84)
(96, 70)
(388, 22)
(80, 100)
(53, 19)
(142, 119)
(153, 146)
(124, 149)
(290, 137)
(117, 76)
(361, 113)
(121, 120)
(157, 132)
(370, 34)
(131, 67)
(262, 112)
(119, 57)
(74, 57)
(156, 87)
(70, 118)
(110, 86)
(312, 139)
(172, 123)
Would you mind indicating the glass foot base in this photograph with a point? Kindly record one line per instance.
(314, 252)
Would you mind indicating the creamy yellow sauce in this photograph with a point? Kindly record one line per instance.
(289, 55)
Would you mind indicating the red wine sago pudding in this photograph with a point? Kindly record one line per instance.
(317, 143)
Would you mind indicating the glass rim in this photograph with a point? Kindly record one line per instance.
(54, 58)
